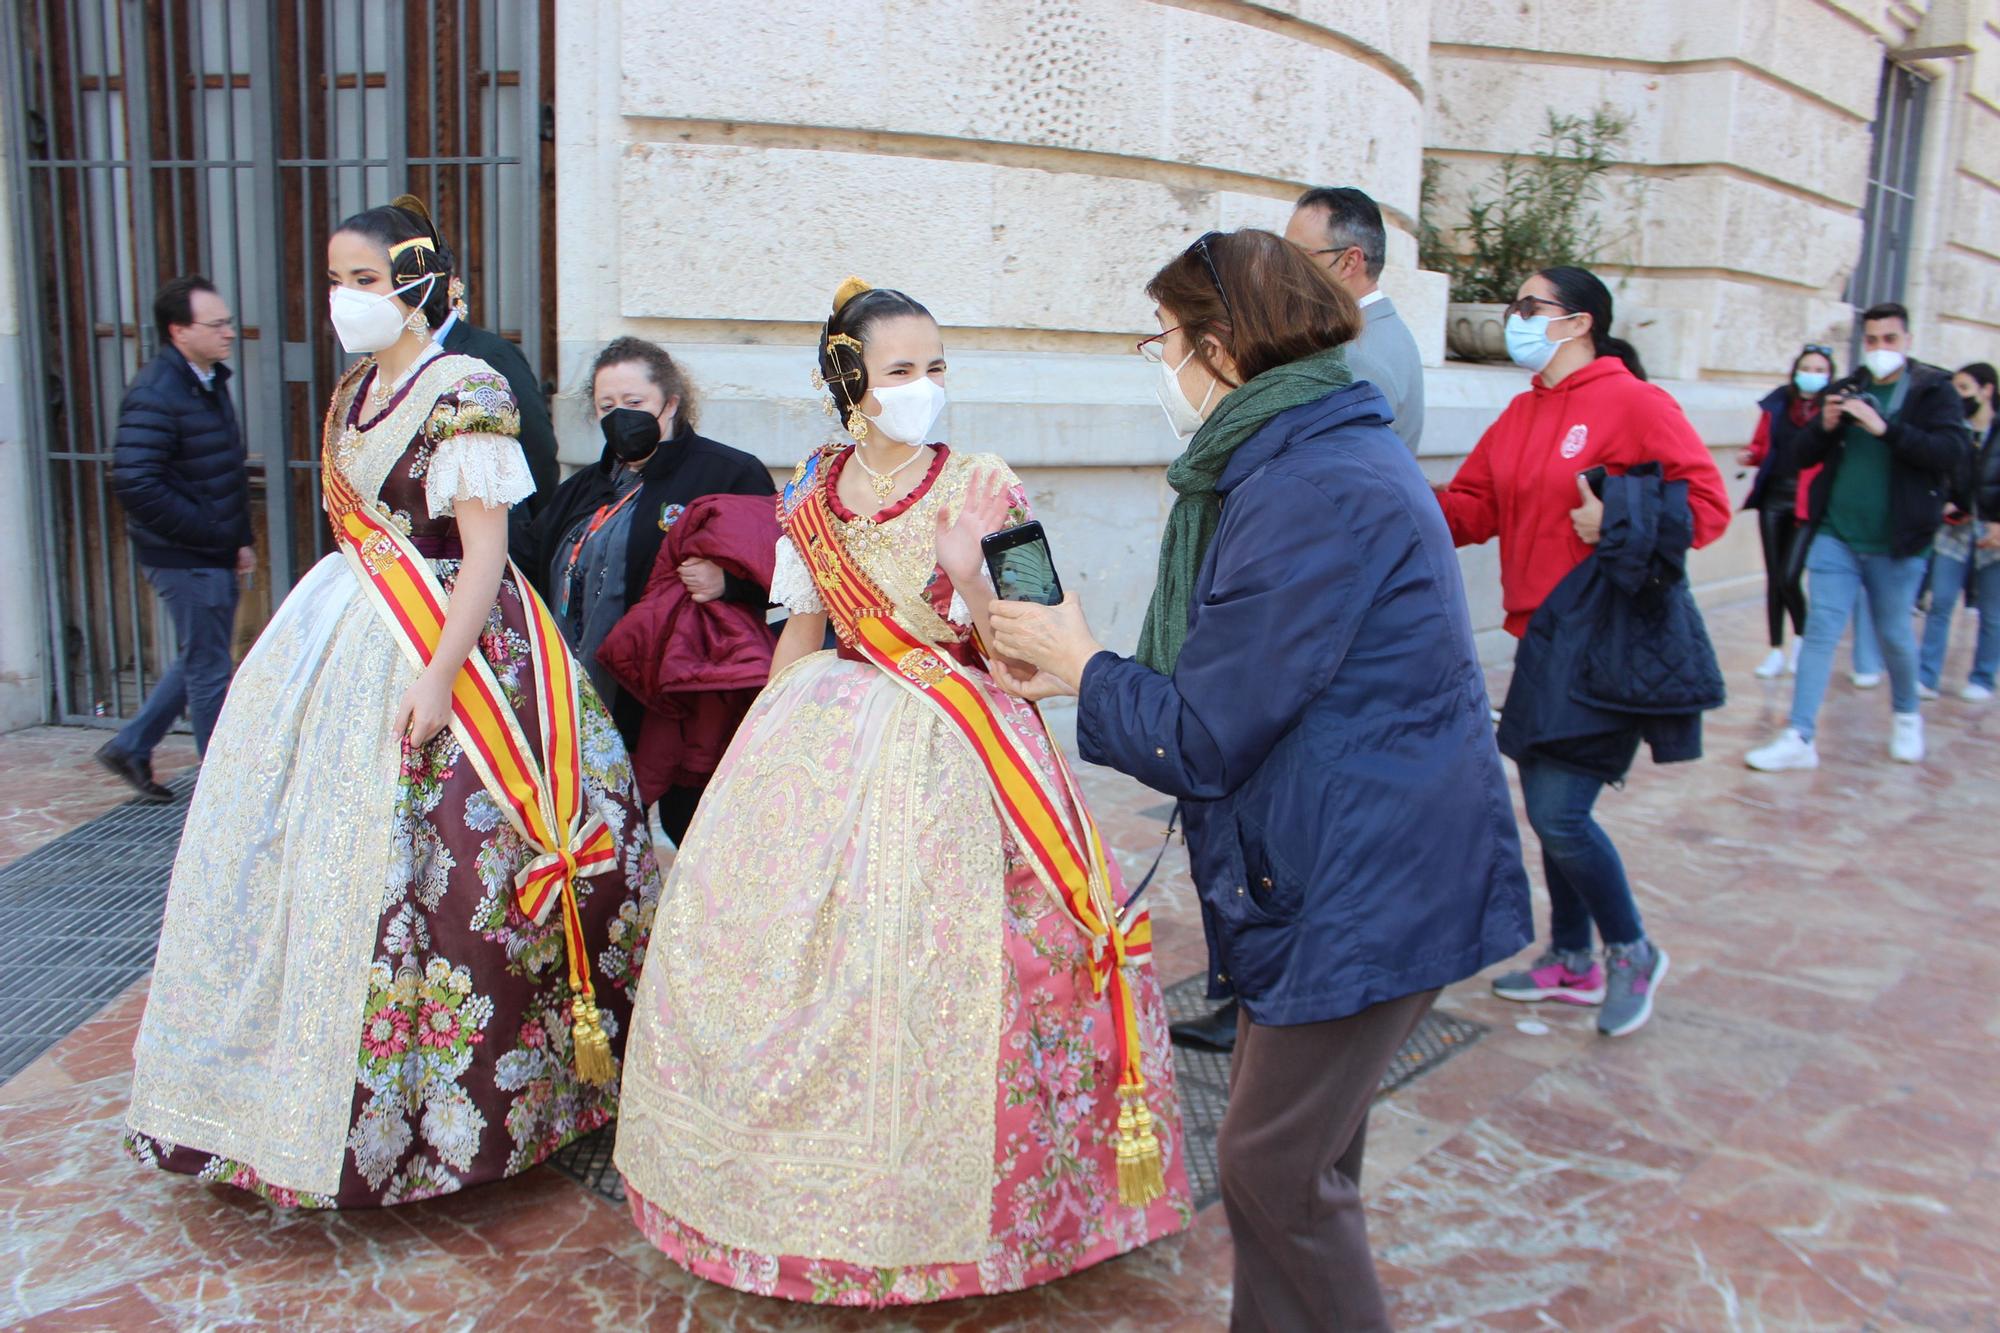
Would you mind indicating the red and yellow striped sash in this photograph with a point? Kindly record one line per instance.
(546, 805)
(1050, 823)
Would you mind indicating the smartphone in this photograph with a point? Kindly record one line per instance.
(1595, 476)
(1021, 566)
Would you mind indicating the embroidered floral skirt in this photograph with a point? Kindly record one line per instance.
(874, 1072)
(450, 1010)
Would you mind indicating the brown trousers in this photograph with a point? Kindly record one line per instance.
(1290, 1156)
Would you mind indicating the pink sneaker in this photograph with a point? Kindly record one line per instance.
(1571, 978)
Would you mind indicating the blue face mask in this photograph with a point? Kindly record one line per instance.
(1528, 341)
(1810, 382)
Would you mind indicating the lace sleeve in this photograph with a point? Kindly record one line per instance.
(792, 585)
(476, 465)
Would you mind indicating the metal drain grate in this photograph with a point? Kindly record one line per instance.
(587, 1161)
(1203, 1077)
(80, 920)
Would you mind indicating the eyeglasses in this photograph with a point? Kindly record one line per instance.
(1154, 349)
(1200, 247)
(1525, 307)
(217, 324)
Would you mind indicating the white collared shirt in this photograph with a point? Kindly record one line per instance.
(1377, 295)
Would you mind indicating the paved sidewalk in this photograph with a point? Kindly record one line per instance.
(1806, 1136)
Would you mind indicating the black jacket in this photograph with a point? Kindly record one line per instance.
(681, 471)
(1777, 481)
(1618, 652)
(538, 436)
(1978, 489)
(1928, 450)
(179, 468)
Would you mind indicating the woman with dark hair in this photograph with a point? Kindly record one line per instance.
(1774, 496)
(415, 887)
(1968, 548)
(905, 1049)
(597, 540)
(1306, 686)
(1538, 481)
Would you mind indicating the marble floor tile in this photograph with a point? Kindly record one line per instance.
(1803, 1138)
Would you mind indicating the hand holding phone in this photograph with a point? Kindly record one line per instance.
(1022, 568)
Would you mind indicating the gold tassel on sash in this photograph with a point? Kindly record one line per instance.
(593, 1048)
(1142, 1176)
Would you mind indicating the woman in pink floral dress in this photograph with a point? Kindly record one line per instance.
(876, 1069)
(350, 1008)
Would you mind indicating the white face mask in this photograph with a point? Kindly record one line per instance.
(369, 321)
(908, 411)
(1883, 362)
(1183, 416)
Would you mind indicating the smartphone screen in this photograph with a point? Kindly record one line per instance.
(1022, 567)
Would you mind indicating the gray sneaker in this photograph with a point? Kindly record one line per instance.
(1637, 970)
(1569, 978)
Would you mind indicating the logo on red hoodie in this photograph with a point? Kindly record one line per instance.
(1573, 442)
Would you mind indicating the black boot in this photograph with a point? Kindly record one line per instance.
(137, 776)
(1212, 1032)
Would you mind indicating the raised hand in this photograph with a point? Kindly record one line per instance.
(983, 510)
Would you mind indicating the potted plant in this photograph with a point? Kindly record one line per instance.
(1539, 210)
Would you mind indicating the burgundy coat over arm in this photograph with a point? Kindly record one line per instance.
(696, 666)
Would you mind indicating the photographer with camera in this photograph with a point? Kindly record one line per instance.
(1892, 438)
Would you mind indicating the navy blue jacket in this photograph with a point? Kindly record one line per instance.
(1618, 652)
(1348, 820)
(179, 468)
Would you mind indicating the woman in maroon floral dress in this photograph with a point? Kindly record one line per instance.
(349, 1008)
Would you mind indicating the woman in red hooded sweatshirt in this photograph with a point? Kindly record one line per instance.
(1588, 407)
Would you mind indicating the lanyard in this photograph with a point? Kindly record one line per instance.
(604, 515)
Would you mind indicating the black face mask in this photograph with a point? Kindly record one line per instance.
(631, 433)
(1971, 404)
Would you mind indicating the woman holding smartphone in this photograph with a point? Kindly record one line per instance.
(1588, 408)
(1306, 685)
(904, 1049)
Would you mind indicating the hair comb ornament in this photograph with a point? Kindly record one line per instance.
(843, 340)
(419, 242)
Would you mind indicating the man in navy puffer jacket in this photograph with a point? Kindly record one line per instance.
(180, 475)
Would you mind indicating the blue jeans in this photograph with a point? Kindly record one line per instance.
(202, 603)
(1837, 581)
(1867, 643)
(1586, 877)
(1947, 582)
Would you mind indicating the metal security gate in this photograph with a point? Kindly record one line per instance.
(154, 138)
(1890, 212)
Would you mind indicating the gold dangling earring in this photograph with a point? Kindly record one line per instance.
(857, 425)
(416, 322)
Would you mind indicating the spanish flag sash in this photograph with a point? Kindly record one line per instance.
(1051, 825)
(545, 807)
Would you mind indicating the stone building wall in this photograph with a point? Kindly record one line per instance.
(1020, 166)
(1750, 145)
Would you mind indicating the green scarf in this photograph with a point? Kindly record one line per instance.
(1198, 510)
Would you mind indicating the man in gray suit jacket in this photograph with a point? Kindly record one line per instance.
(1342, 230)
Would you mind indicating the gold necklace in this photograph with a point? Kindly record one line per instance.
(884, 483)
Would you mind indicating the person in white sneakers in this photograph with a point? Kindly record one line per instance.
(1968, 549)
(1892, 439)
(1785, 413)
